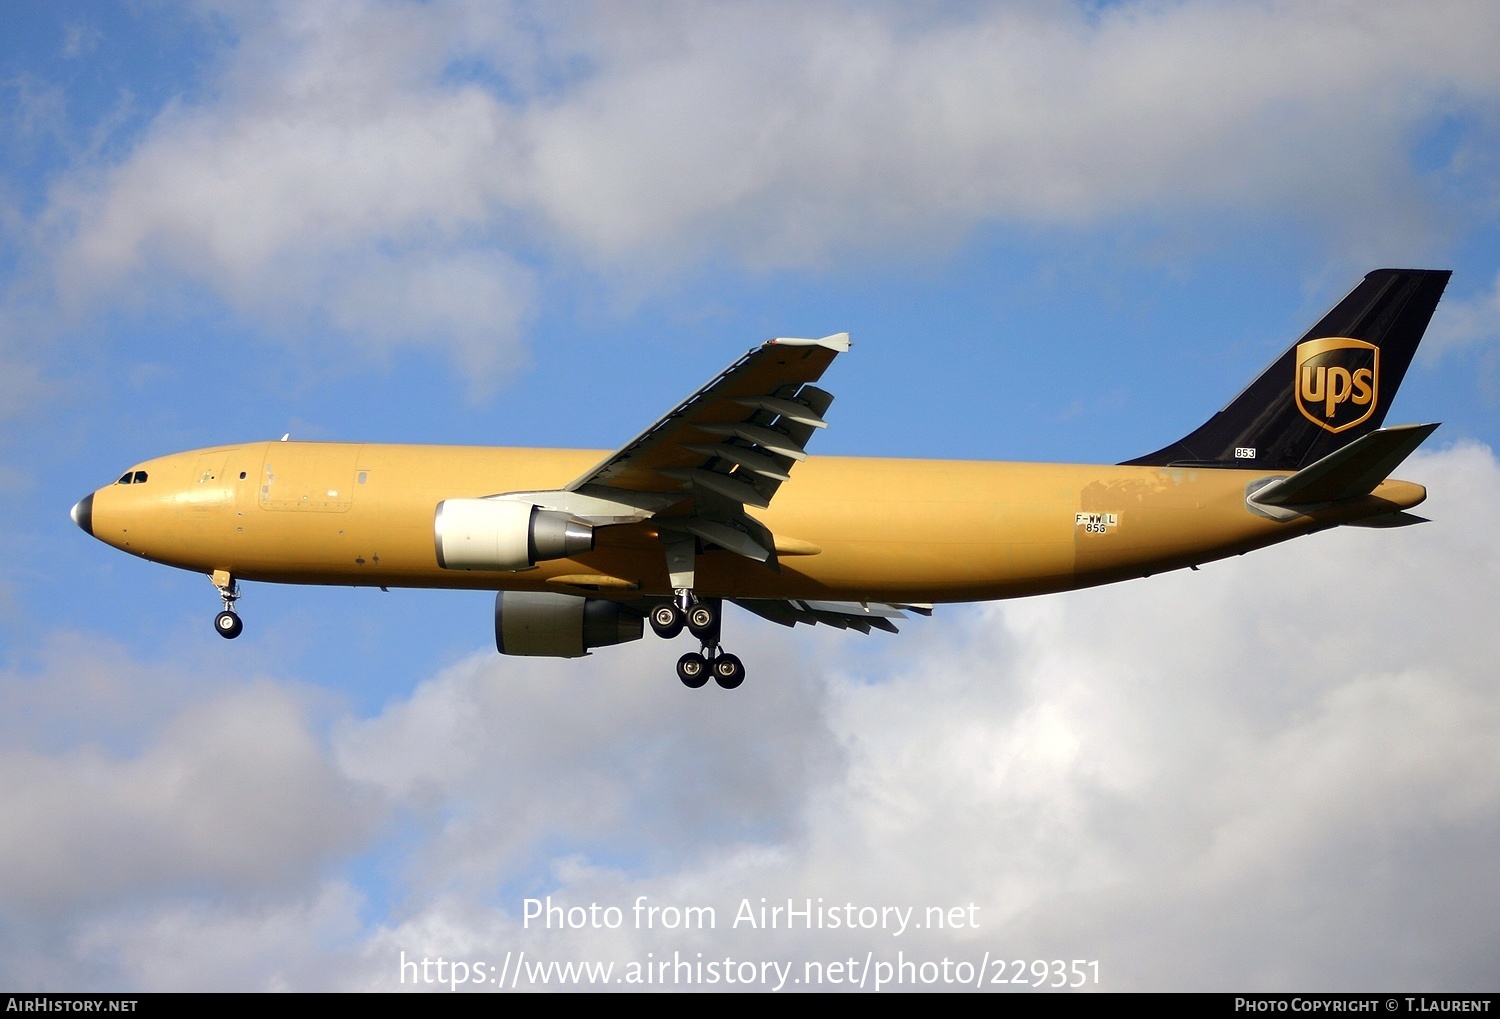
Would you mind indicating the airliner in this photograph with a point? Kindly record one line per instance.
(719, 500)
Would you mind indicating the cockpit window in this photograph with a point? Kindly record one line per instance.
(125, 478)
(132, 478)
(140, 477)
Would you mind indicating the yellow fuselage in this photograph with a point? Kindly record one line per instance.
(877, 530)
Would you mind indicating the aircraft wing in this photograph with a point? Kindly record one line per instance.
(861, 616)
(727, 447)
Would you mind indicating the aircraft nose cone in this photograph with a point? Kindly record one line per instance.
(83, 514)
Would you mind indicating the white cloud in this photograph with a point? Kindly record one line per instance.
(787, 138)
(104, 801)
(275, 945)
(462, 140)
(1277, 772)
(1462, 323)
(606, 753)
(80, 39)
(476, 303)
(1259, 775)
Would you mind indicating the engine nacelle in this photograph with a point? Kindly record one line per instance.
(498, 534)
(560, 625)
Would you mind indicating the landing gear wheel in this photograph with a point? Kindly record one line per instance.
(729, 671)
(667, 620)
(692, 669)
(703, 619)
(228, 624)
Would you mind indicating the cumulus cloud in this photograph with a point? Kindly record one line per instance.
(606, 754)
(787, 137)
(1276, 772)
(103, 799)
(467, 144)
(275, 945)
(1458, 324)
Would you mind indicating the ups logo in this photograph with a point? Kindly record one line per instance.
(1338, 381)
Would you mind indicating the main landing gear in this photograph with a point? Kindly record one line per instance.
(227, 623)
(702, 617)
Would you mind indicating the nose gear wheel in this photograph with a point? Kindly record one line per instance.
(227, 624)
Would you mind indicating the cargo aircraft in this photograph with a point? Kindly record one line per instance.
(719, 501)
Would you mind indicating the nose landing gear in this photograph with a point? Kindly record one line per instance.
(227, 623)
(702, 617)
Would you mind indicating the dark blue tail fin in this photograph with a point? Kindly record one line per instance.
(1331, 387)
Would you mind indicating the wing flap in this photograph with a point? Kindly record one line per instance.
(763, 378)
(727, 537)
(791, 410)
(744, 456)
(770, 439)
(861, 616)
(729, 487)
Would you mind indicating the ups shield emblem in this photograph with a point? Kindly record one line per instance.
(1338, 381)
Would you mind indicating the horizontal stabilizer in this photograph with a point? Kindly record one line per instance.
(1350, 471)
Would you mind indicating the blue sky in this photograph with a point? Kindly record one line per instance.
(1056, 232)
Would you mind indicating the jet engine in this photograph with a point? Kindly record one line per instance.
(498, 534)
(560, 625)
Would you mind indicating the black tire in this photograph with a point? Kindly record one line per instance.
(228, 625)
(693, 670)
(703, 619)
(729, 671)
(667, 620)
